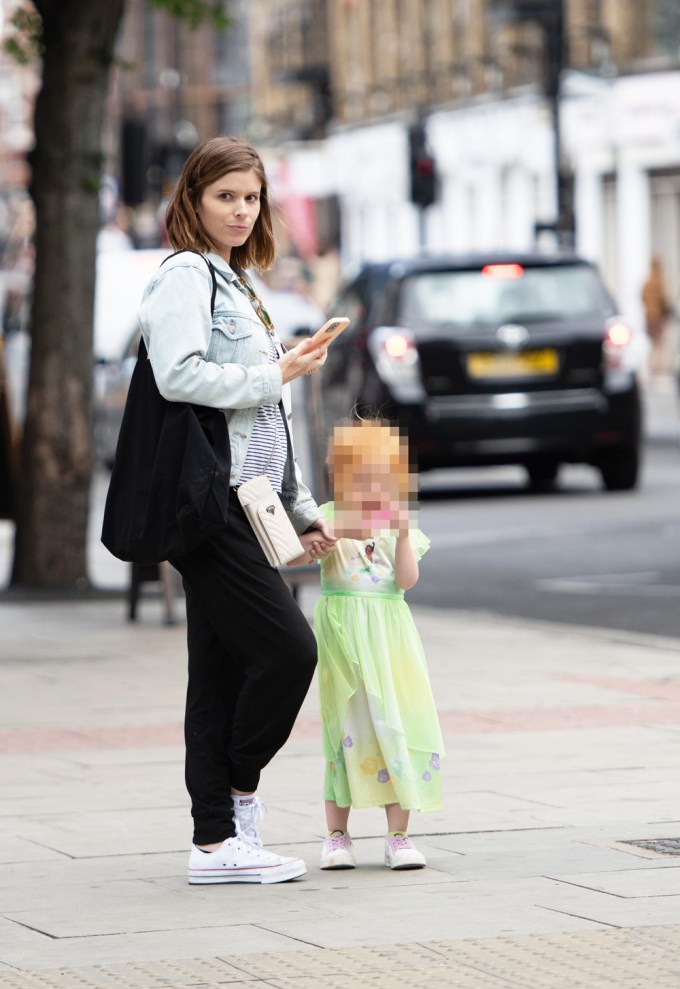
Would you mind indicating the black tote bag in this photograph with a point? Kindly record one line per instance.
(169, 487)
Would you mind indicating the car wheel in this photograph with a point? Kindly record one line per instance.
(620, 469)
(543, 474)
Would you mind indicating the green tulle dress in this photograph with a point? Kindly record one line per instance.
(381, 737)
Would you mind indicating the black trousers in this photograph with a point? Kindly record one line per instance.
(251, 660)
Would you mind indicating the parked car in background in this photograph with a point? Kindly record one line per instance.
(494, 359)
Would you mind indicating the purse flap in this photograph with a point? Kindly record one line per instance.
(258, 487)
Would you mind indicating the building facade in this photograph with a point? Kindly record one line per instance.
(329, 88)
(478, 79)
(173, 86)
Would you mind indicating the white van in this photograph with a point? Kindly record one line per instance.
(122, 277)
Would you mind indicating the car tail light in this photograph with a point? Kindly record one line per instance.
(503, 272)
(399, 346)
(395, 355)
(617, 340)
(619, 334)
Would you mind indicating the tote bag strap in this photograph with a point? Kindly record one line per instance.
(211, 268)
(141, 353)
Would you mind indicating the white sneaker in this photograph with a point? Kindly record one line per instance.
(237, 861)
(337, 852)
(248, 818)
(401, 853)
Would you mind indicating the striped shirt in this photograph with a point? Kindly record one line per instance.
(268, 446)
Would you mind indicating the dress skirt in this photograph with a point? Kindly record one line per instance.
(381, 737)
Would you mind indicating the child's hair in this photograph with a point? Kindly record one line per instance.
(358, 446)
(207, 163)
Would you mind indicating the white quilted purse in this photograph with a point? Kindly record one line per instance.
(269, 520)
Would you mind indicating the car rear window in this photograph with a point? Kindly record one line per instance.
(502, 294)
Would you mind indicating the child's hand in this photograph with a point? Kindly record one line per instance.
(316, 545)
(403, 520)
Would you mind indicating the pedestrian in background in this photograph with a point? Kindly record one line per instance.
(657, 310)
(381, 737)
(251, 651)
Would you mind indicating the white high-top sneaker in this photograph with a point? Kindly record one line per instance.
(239, 861)
(248, 818)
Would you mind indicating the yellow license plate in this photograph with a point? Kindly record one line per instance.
(513, 364)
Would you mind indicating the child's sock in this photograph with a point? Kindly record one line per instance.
(242, 800)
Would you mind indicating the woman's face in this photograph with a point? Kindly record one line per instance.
(229, 208)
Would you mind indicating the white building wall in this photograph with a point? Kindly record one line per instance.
(497, 178)
(626, 128)
(634, 232)
(518, 209)
(589, 208)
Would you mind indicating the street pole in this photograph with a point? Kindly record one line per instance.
(422, 230)
(552, 23)
(549, 16)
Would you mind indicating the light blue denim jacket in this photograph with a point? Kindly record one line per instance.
(223, 363)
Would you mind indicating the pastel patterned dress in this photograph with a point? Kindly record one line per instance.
(381, 737)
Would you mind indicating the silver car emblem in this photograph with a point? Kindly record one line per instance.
(512, 334)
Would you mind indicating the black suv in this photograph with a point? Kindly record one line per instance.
(500, 359)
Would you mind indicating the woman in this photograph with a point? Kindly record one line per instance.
(657, 310)
(251, 651)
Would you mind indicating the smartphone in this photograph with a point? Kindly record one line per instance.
(330, 330)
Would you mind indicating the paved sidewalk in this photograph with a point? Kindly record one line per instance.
(562, 746)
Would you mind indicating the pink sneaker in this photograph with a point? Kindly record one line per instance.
(401, 853)
(337, 852)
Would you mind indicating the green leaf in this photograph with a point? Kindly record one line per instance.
(26, 42)
(196, 12)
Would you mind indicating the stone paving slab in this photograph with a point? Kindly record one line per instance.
(561, 744)
(649, 959)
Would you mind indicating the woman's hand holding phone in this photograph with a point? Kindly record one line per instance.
(310, 354)
(328, 332)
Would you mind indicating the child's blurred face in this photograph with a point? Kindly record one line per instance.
(369, 495)
(372, 484)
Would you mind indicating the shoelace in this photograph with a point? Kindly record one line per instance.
(335, 842)
(399, 842)
(248, 818)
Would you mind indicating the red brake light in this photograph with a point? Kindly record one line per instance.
(619, 334)
(503, 272)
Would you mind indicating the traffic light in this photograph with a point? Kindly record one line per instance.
(134, 162)
(423, 168)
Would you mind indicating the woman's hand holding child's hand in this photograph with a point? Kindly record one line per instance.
(318, 541)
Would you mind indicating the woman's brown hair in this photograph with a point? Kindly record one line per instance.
(207, 163)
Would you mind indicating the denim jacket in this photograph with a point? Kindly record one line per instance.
(223, 363)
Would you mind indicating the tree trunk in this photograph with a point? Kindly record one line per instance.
(53, 497)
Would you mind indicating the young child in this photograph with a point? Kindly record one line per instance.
(381, 736)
